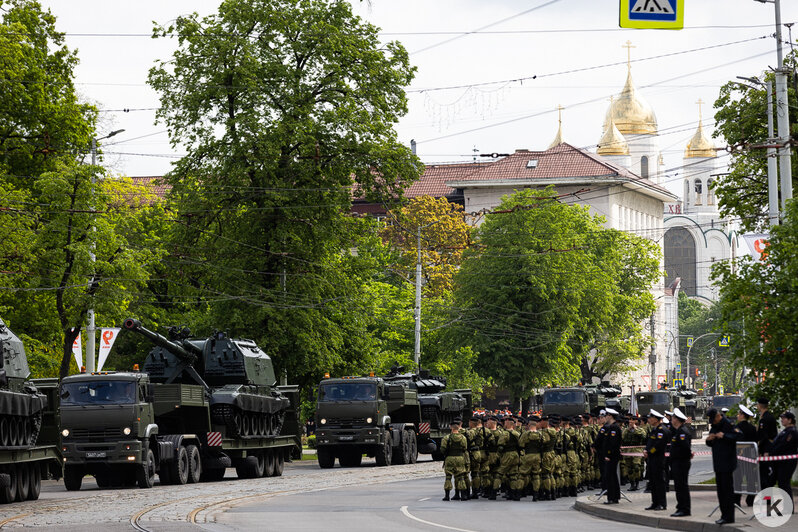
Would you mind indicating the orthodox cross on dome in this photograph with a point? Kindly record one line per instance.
(628, 47)
(700, 102)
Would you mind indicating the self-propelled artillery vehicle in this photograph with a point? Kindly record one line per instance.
(199, 407)
(686, 400)
(25, 458)
(391, 418)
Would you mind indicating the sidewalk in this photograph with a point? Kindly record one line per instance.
(703, 500)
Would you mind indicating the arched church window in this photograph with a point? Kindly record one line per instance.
(710, 192)
(698, 190)
(644, 167)
(680, 258)
(686, 192)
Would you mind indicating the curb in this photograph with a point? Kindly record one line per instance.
(653, 521)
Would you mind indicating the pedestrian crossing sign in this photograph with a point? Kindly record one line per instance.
(652, 14)
(678, 367)
(723, 341)
(689, 341)
(678, 383)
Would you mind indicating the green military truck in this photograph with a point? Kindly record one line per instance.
(125, 427)
(686, 400)
(574, 400)
(391, 418)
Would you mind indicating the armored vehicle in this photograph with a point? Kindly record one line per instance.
(24, 461)
(686, 400)
(726, 401)
(391, 418)
(125, 427)
(566, 401)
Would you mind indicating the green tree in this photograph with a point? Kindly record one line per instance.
(444, 236)
(285, 109)
(759, 299)
(741, 121)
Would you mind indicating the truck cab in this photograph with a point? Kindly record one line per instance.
(107, 424)
(566, 401)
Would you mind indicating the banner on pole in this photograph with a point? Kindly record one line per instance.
(77, 350)
(758, 244)
(107, 339)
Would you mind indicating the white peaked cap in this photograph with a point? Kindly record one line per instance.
(612, 411)
(745, 410)
(678, 413)
(654, 413)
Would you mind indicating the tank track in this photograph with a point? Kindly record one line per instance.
(19, 431)
(247, 424)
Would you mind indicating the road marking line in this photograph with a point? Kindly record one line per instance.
(411, 516)
(6, 521)
(424, 499)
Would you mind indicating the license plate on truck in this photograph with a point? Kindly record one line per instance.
(346, 438)
(95, 454)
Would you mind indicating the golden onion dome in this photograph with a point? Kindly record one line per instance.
(700, 145)
(612, 142)
(631, 112)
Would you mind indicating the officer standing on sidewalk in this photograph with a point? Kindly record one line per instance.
(655, 460)
(610, 456)
(723, 440)
(681, 454)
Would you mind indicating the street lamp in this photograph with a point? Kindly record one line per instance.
(90, 329)
(417, 351)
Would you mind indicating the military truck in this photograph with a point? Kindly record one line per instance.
(125, 427)
(391, 418)
(686, 400)
(726, 401)
(570, 401)
(26, 455)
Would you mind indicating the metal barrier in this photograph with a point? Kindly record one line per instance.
(746, 476)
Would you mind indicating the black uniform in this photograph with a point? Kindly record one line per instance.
(598, 445)
(766, 431)
(655, 446)
(724, 462)
(681, 454)
(785, 443)
(610, 456)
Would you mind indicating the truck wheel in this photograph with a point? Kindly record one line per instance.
(23, 481)
(413, 448)
(279, 463)
(35, 482)
(325, 456)
(8, 491)
(103, 479)
(269, 463)
(194, 464)
(73, 477)
(145, 474)
(250, 467)
(178, 469)
(385, 453)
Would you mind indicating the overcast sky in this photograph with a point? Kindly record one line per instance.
(574, 47)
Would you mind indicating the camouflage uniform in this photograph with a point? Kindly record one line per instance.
(547, 459)
(573, 465)
(454, 448)
(531, 442)
(508, 460)
(559, 462)
(477, 457)
(493, 461)
(634, 464)
(488, 446)
(584, 455)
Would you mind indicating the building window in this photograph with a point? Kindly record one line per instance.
(710, 192)
(698, 188)
(686, 192)
(644, 167)
(680, 258)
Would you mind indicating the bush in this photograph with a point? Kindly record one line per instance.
(312, 441)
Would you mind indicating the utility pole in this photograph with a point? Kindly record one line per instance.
(717, 371)
(652, 359)
(782, 111)
(773, 181)
(90, 328)
(417, 353)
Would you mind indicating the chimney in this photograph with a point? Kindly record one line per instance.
(413, 146)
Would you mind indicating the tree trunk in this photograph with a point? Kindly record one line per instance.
(69, 339)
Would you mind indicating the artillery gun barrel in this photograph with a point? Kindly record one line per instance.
(161, 341)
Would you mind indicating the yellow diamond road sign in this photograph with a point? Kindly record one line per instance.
(652, 14)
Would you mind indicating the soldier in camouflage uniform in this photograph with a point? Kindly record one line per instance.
(477, 456)
(559, 457)
(573, 465)
(547, 459)
(493, 457)
(454, 448)
(595, 427)
(584, 452)
(531, 443)
(508, 460)
(634, 436)
(488, 445)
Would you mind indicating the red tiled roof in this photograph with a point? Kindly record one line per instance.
(433, 181)
(561, 161)
(154, 184)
